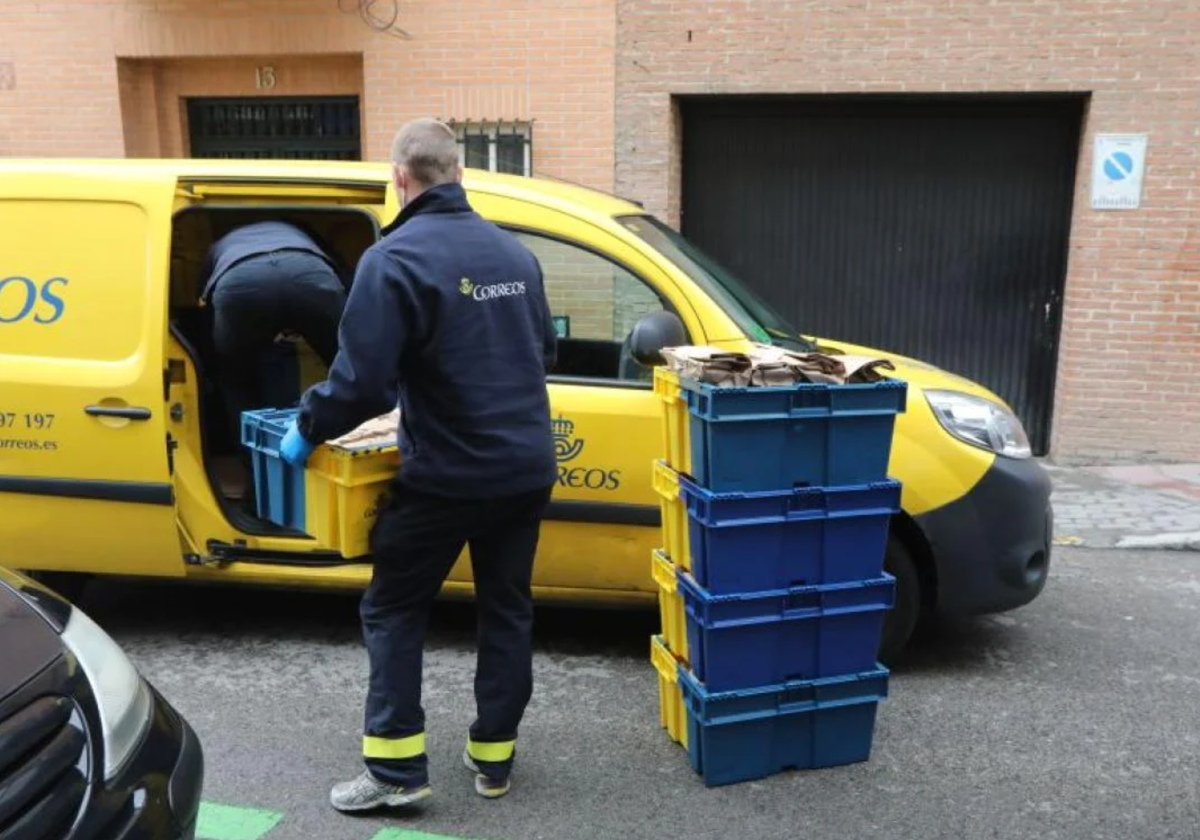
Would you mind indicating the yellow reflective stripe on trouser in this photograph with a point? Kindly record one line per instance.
(409, 747)
(496, 751)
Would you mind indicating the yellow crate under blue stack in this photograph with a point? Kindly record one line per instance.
(775, 508)
(669, 652)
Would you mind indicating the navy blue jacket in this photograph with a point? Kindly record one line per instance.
(250, 241)
(448, 313)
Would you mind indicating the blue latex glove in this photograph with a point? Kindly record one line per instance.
(295, 449)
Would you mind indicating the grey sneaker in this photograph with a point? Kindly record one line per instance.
(366, 793)
(485, 785)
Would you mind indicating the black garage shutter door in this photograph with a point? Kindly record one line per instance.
(932, 227)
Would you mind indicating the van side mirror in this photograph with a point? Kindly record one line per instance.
(654, 332)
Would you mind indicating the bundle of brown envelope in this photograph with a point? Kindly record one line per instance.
(377, 432)
(766, 365)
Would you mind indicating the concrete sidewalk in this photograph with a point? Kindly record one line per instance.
(1143, 506)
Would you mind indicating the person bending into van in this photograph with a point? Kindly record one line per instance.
(448, 313)
(265, 279)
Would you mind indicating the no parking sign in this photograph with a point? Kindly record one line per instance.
(1117, 166)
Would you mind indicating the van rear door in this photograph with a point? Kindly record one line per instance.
(85, 477)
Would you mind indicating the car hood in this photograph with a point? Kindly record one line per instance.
(913, 371)
(28, 642)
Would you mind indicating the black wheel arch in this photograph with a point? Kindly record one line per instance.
(909, 533)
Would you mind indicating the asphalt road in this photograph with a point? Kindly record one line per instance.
(1075, 717)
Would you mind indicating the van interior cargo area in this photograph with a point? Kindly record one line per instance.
(344, 232)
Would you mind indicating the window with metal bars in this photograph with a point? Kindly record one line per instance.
(497, 147)
(322, 128)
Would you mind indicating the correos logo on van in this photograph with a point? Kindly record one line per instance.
(23, 299)
(568, 447)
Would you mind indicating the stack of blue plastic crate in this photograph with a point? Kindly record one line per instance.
(788, 506)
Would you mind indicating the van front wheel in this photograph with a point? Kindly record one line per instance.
(901, 620)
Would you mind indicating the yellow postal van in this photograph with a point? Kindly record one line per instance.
(112, 454)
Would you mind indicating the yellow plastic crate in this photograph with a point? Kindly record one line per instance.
(671, 714)
(342, 492)
(674, 516)
(670, 605)
(676, 425)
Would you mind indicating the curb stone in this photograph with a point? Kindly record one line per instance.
(1171, 542)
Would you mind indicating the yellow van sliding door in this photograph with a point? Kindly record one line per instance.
(85, 481)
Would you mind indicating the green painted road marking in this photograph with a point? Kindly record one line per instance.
(405, 834)
(228, 822)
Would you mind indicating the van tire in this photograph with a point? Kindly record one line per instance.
(901, 620)
(70, 585)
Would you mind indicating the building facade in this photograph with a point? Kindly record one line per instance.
(117, 77)
(913, 174)
(1108, 329)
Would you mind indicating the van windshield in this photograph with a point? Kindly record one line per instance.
(757, 319)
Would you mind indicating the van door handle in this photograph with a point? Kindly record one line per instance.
(130, 413)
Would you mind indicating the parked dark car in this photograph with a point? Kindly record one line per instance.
(88, 749)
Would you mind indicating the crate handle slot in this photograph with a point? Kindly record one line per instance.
(806, 400)
(807, 499)
(800, 601)
(799, 696)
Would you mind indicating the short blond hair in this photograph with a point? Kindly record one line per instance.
(428, 150)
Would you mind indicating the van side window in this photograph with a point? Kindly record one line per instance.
(595, 304)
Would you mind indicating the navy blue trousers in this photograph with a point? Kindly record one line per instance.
(415, 542)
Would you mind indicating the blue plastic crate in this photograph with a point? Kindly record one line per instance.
(278, 486)
(736, 736)
(777, 636)
(742, 542)
(754, 439)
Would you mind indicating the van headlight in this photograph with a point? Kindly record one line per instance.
(980, 422)
(121, 694)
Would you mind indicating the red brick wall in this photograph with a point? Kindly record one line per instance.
(1129, 372)
(466, 60)
(153, 91)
